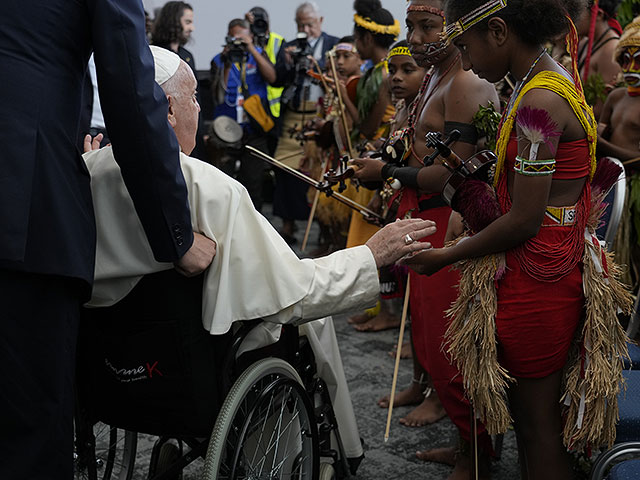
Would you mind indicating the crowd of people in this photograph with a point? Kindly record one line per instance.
(503, 273)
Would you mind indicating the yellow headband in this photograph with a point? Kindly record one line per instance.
(376, 27)
(399, 51)
(469, 20)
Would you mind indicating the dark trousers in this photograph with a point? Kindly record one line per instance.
(38, 330)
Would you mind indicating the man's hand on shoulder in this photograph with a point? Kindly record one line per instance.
(198, 257)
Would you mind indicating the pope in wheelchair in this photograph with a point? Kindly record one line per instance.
(254, 275)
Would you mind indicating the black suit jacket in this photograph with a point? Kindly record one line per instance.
(46, 213)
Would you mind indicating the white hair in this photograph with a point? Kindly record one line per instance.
(175, 85)
(310, 6)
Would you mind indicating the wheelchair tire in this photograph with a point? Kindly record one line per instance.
(112, 457)
(169, 454)
(327, 472)
(266, 408)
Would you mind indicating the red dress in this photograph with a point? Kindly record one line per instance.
(540, 297)
(429, 299)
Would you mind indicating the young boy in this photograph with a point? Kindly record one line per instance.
(619, 126)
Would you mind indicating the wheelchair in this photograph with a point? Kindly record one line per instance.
(147, 365)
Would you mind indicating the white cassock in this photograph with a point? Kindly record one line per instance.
(254, 274)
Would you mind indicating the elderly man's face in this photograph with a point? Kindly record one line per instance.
(184, 110)
(310, 23)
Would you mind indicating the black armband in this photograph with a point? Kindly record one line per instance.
(407, 176)
(468, 131)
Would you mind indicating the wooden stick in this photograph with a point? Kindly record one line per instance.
(290, 155)
(631, 161)
(341, 104)
(307, 230)
(398, 353)
(509, 82)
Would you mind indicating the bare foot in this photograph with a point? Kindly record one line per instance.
(460, 462)
(406, 351)
(429, 411)
(358, 319)
(446, 455)
(412, 395)
(382, 321)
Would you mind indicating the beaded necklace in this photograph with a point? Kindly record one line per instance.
(519, 86)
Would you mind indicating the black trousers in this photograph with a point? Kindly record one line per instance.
(38, 330)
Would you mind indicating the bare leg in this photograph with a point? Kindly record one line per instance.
(429, 409)
(535, 404)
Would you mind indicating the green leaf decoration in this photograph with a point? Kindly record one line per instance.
(595, 89)
(486, 120)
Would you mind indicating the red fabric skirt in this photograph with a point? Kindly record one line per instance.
(536, 321)
(429, 298)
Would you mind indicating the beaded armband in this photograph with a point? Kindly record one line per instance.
(534, 168)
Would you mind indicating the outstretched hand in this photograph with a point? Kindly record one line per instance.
(399, 239)
(428, 262)
(198, 257)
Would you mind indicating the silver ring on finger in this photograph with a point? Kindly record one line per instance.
(408, 240)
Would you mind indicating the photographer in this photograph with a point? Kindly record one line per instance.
(299, 102)
(241, 73)
(271, 42)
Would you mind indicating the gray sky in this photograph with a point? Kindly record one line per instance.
(212, 16)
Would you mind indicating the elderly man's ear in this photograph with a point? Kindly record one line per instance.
(172, 115)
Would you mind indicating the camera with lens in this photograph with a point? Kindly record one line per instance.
(260, 28)
(301, 52)
(236, 50)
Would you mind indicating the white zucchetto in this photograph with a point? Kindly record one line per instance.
(166, 63)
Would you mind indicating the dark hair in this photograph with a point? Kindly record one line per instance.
(609, 7)
(167, 27)
(238, 22)
(399, 43)
(260, 11)
(372, 10)
(347, 39)
(533, 21)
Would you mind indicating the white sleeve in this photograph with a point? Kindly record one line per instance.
(344, 281)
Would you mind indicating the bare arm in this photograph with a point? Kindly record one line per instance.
(530, 197)
(265, 67)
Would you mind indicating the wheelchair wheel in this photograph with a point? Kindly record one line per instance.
(169, 454)
(327, 472)
(112, 456)
(265, 428)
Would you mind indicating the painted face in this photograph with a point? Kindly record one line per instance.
(423, 35)
(347, 62)
(630, 63)
(405, 76)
